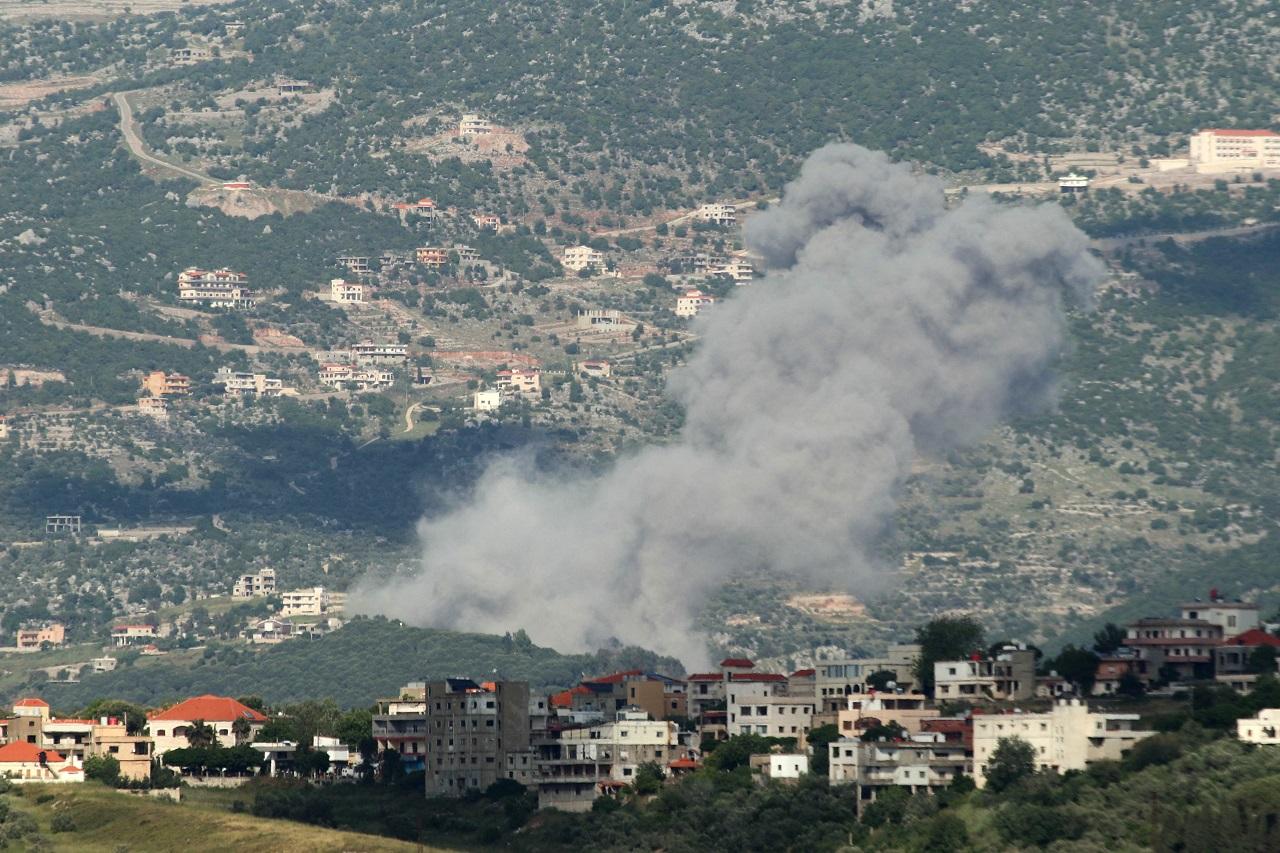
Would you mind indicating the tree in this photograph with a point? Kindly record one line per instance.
(201, 734)
(241, 728)
(1130, 686)
(1107, 640)
(945, 638)
(649, 778)
(820, 740)
(103, 768)
(1262, 660)
(1012, 759)
(881, 679)
(1079, 666)
(134, 716)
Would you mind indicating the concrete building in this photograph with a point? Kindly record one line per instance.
(1112, 670)
(489, 400)
(358, 264)
(34, 638)
(1262, 729)
(311, 601)
(471, 729)
(835, 680)
(601, 318)
(1068, 737)
(355, 378)
(110, 737)
(780, 766)
(400, 725)
(487, 221)
(132, 635)
(25, 763)
(255, 584)
(1226, 150)
(578, 258)
(168, 729)
(157, 383)
(1009, 675)
(156, 408)
(741, 272)
(520, 381)
(271, 631)
(1071, 183)
(718, 214)
(219, 288)
(585, 763)
(1233, 617)
(692, 303)
(433, 257)
(472, 124)
(346, 292)
(926, 763)
(1178, 649)
(1236, 655)
(762, 708)
(238, 385)
(594, 368)
(368, 352)
(864, 710)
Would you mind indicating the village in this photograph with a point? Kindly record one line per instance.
(897, 721)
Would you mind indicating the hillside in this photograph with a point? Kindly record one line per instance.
(367, 659)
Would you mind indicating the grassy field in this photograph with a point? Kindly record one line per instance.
(105, 820)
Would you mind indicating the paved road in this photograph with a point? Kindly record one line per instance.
(1111, 244)
(129, 129)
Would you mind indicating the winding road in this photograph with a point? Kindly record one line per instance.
(129, 129)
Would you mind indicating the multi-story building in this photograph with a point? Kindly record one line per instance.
(1008, 675)
(835, 680)
(584, 763)
(863, 710)
(520, 381)
(489, 400)
(1262, 729)
(1233, 617)
(432, 256)
(1068, 737)
(1071, 184)
(1219, 149)
(927, 762)
(659, 696)
(692, 303)
(311, 601)
(472, 728)
(346, 292)
(1174, 648)
(219, 288)
(238, 384)
(761, 707)
(1236, 655)
(718, 214)
(368, 352)
(400, 726)
(132, 635)
(34, 638)
(157, 383)
(154, 407)
(487, 221)
(472, 124)
(740, 271)
(356, 378)
(255, 584)
(169, 728)
(578, 258)
(358, 264)
(601, 318)
(110, 737)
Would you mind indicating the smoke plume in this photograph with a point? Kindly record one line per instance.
(886, 326)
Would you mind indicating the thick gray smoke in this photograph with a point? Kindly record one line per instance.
(886, 326)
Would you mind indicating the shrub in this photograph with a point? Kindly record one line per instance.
(62, 822)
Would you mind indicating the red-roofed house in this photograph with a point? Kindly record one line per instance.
(1240, 654)
(169, 727)
(26, 762)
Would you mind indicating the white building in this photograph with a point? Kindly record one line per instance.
(267, 632)
(1225, 150)
(602, 318)
(1262, 729)
(169, 728)
(311, 601)
(1011, 674)
(368, 352)
(219, 288)
(1073, 183)
(740, 271)
(925, 763)
(489, 400)
(472, 124)
(762, 708)
(129, 635)
(522, 381)
(834, 680)
(1233, 617)
(346, 292)
(783, 766)
(255, 584)
(357, 378)
(578, 258)
(239, 384)
(692, 302)
(720, 214)
(1069, 737)
(906, 709)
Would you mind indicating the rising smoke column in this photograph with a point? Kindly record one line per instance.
(886, 326)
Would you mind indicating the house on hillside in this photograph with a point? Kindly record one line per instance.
(26, 763)
(169, 728)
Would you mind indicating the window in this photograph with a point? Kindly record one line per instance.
(113, 749)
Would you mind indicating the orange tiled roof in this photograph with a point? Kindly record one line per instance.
(21, 752)
(207, 708)
(31, 702)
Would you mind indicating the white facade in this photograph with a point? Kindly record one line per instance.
(219, 288)
(720, 214)
(471, 124)
(255, 584)
(310, 601)
(1069, 737)
(578, 258)
(758, 708)
(925, 762)
(1222, 150)
(1262, 729)
(1073, 183)
(781, 765)
(526, 382)
(358, 378)
(1233, 617)
(692, 302)
(368, 352)
(238, 384)
(349, 292)
(489, 400)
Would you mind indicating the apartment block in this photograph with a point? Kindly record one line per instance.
(311, 601)
(925, 763)
(520, 381)
(132, 635)
(1231, 149)
(578, 258)
(351, 377)
(369, 352)
(220, 288)
(1233, 617)
(33, 638)
(1008, 675)
(473, 124)
(692, 303)
(1180, 649)
(158, 383)
(346, 292)
(255, 584)
(864, 710)
(238, 384)
(718, 214)
(834, 680)
(472, 727)
(400, 725)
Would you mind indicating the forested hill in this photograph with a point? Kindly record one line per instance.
(367, 659)
(725, 94)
